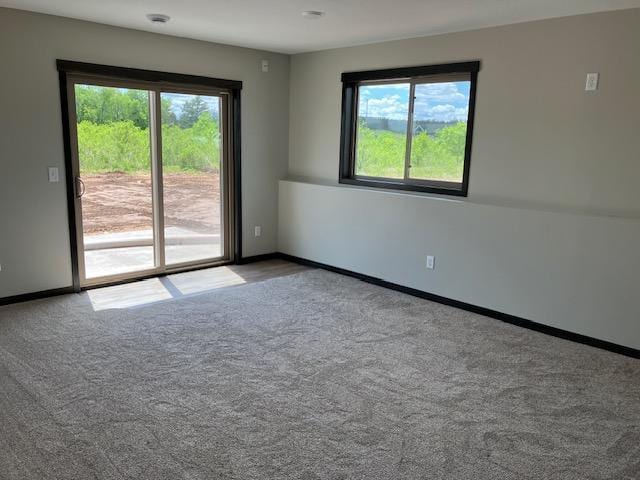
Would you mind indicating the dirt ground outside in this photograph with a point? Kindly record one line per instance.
(120, 202)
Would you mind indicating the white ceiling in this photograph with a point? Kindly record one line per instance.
(278, 25)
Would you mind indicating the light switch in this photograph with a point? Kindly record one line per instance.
(53, 175)
(431, 260)
(592, 82)
(265, 66)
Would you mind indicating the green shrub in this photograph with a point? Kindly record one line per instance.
(192, 149)
(113, 147)
(121, 146)
(381, 153)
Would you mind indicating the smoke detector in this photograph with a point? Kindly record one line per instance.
(312, 14)
(158, 18)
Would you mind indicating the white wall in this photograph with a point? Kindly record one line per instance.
(572, 271)
(34, 243)
(550, 229)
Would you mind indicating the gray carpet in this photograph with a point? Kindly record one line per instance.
(309, 376)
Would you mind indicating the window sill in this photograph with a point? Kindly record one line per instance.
(442, 188)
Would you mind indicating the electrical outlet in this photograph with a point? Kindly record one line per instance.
(431, 262)
(257, 230)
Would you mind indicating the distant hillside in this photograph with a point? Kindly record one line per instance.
(400, 126)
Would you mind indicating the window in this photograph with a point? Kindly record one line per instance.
(409, 128)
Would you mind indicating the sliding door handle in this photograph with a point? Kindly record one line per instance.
(80, 187)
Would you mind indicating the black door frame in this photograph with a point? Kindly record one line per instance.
(67, 67)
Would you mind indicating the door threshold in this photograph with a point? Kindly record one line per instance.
(137, 278)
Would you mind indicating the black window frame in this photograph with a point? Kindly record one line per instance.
(351, 81)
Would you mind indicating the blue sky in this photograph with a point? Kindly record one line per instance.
(178, 99)
(446, 101)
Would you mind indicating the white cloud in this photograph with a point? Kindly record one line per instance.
(439, 92)
(375, 89)
(391, 106)
(434, 101)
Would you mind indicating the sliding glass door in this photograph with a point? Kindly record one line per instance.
(192, 152)
(150, 166)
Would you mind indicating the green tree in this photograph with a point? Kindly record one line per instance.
(168, 115)
(192, 149)
(191, 111)
(113, 132)
(102, 105)
(453, 139)
(135, 107)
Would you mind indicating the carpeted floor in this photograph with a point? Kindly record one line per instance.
(308, 376)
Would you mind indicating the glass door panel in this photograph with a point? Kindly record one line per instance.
(114, 182)
(192, 146)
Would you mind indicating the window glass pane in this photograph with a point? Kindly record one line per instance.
(191, 176)
(381, 138)
(439, 130)
(114, 151)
